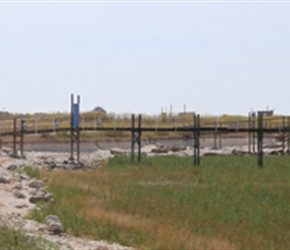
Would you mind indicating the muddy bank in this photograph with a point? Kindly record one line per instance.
(88, 147)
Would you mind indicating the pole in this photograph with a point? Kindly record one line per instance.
(260, 139)
(288, 135)
(249, 135)
(139, 138)
(22, 137)
(198, 135)
(283, 135)
(195, 139)
(221, 136)
(254, 126)
(78, 134)
(72, 130)
(14, 137)
(132, 138)
(215, 136)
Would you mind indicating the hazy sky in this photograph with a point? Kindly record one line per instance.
(217, 58)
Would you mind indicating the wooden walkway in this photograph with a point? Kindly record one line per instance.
(255, 130)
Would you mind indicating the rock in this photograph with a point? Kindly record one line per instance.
(117, 151)
(48, 197)
(40, 197)
(33, 192)
(238, 152)
(5, 179)
(14, 155)
(21, 206)
(74, 165)
(63, 165)
(275, 152)
(18, 186)
(210, 153)
(36, 198)
(55, 227)
(12, 167)
(36, 184)
(42, 229)
(160, 150)
(50, 164)
(30, 237)
(19, 195)
(53, 224)
(54, 218)
(176, 148)
(22, 176)
(7, 150)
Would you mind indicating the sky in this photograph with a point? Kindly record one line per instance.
(210, 57)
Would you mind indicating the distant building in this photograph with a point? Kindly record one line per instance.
(99, 110)
(266, 113)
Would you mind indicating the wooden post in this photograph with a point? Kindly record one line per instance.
(78, 133)
(221, 137)
(72, 130)
(22, 137)
(260, 139)
(14, 137)
(139, 138)
(254, 126)
(250, 134)
(215, 135)
(195, 139)
(283, 135)
(198, 135)
(196, 151)
(132, 138)
(288, 135)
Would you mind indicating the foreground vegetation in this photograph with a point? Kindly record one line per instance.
(165, 203)
(14, 239)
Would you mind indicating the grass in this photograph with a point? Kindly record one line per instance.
(32, 172)
(11, 239)
(14, 239)
(165, 203)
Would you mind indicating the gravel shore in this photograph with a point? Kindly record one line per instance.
(16, 192)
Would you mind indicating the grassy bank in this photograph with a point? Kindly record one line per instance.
(14, 239)
(165, 203)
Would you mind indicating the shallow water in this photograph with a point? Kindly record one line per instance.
(88, 147)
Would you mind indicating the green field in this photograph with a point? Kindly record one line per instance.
(166, 203)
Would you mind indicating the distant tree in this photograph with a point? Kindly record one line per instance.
(99, 110)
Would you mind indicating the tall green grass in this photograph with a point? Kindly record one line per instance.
(165, 203)
(15, 239)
